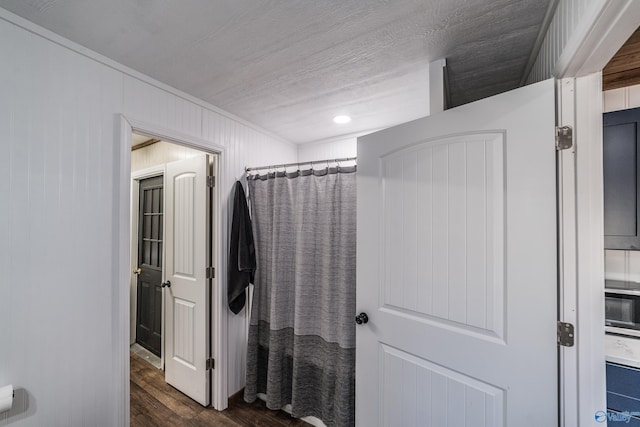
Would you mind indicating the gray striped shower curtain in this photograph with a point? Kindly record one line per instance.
(301, 348)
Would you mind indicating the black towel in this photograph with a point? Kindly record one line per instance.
(242, 253)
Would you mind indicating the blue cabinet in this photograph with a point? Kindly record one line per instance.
(621, 160)
(623, 393)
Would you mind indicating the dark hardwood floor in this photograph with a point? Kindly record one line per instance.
(154, 403)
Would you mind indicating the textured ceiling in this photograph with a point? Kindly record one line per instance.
(289, 66)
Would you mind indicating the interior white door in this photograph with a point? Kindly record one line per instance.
(457, 267)
(186, 260)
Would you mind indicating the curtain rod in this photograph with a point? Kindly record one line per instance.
(345, 159)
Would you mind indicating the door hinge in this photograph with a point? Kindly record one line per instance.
(564, 137)
(211, 273)
(211, 364)
(566, 334)
(211, 181)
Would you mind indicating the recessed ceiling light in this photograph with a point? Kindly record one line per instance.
(341, 119)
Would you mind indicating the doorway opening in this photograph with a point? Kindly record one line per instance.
(621, 116)
(173, 260)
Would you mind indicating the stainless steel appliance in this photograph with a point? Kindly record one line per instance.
(622, 307)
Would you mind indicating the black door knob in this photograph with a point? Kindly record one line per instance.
(362, 318)
(166, 284)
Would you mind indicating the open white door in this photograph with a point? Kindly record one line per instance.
(187, 257)
(457, 267)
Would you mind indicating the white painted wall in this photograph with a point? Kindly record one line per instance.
(59, 133)
(336, 149)
(564, 25)
(582, 37)
(160, 153)
(622, 265)
(621, 99)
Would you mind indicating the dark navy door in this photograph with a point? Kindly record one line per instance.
(149, 308)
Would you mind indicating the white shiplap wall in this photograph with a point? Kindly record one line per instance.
(621, 99)
(56, 231)
(622, 265)
(59, 172)
(160, 153)
(562, 28)
(337, 149)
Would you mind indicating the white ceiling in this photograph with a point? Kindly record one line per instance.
(289, 66)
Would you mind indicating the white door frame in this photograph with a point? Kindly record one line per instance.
(581, 253)
(605, 27)
(122, 257)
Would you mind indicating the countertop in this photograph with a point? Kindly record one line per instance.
(622, 350)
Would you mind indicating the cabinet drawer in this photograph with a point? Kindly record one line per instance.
(622, 403)
(623, 388)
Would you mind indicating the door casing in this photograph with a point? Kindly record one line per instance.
(122, 258)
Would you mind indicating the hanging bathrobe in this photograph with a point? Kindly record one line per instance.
(242, 255)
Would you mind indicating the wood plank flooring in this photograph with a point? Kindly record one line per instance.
(154, 403)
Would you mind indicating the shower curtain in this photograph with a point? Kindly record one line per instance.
(301, 348)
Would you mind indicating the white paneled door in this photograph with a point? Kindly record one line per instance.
(187, 257)
(457, 267)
